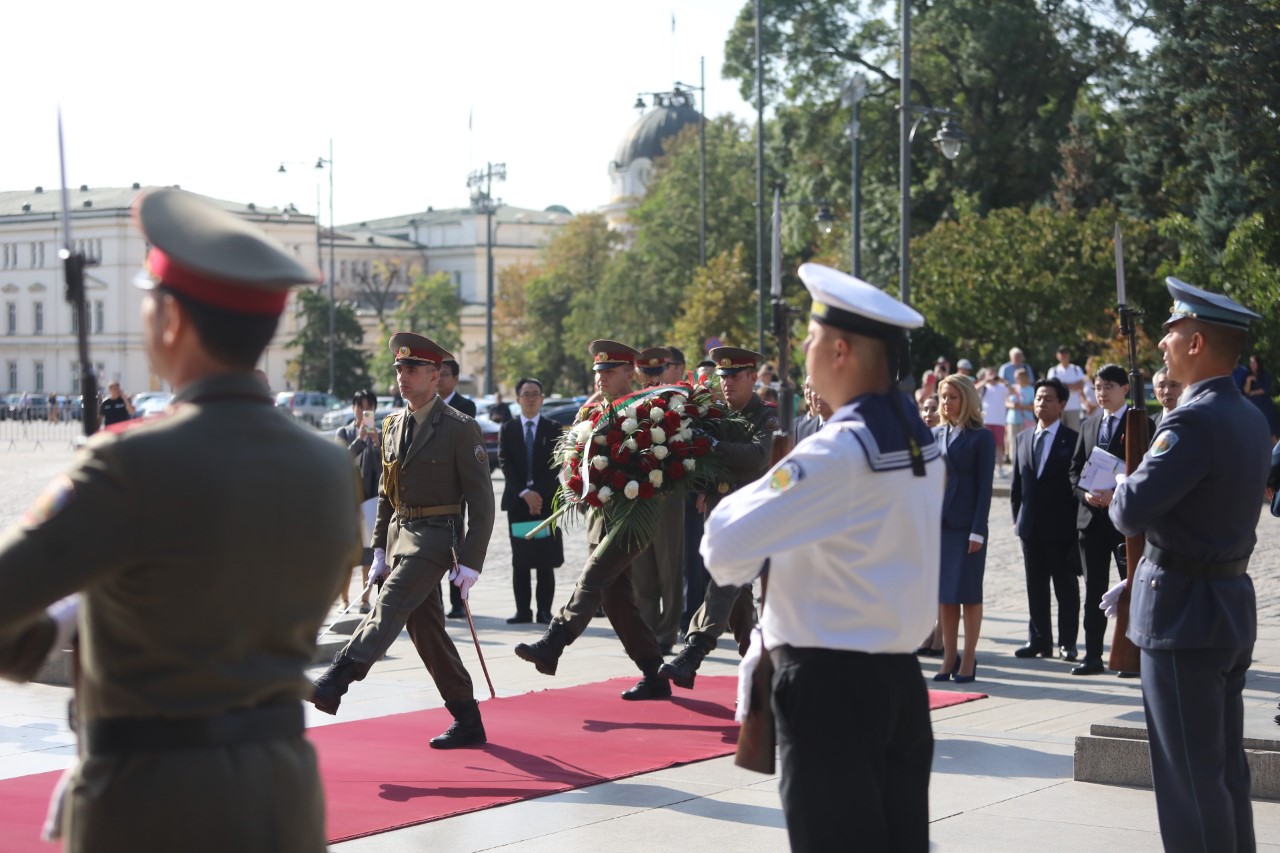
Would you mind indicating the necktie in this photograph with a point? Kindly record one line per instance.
(528, 452)
(406, 435)
(1104, 435)
(1038, 451)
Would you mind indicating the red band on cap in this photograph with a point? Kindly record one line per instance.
(419, 354)
(624, 357)
(215, 292)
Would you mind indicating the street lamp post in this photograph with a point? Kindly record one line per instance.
(322, 162)
(678, 96)
(482, 201)
(854, 92)
(760, 282)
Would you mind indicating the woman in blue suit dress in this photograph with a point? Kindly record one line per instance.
(969, 450)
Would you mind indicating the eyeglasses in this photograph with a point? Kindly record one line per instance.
(530, 395)
(1106, 386)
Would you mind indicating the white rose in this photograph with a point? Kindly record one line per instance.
(685, 435)
(656, 409)
(581, 431)
(659, 452)
(604, 494)
(658, 434)
(600, 439)
(702, 410)
(599, 462)
(655, 479)
(677, 401)
(633, 412)
(632, 489)
(630, 444)
(688, 464)
(629, 425)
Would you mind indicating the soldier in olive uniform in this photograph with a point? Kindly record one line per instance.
(747, 459)
(189, 692)
(433, 460)
(606, 578)
(658, 571)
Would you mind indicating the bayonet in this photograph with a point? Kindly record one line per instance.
(73, 264)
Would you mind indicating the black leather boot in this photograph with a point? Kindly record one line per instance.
(332, 685)
(652, 686)
(683, 668)
(545, 653)
(467, 728)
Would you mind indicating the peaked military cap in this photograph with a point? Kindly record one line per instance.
(653, 360)
(851, 304)
(411, 348)
(729, 360)
(213, 256)
(1193, 303)
(607, 354)
(677, 355)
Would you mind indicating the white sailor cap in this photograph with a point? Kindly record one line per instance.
(848, 303)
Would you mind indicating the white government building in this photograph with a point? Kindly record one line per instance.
(38, 342)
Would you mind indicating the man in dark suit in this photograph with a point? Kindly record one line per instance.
(524, 454)
(1044, 516)
(1099, 539)
(1194, 612)
(448, 391)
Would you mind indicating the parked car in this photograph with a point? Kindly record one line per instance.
(308, 406)
(154, 404)
(37, 408)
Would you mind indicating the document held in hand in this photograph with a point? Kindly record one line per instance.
(1100, 471)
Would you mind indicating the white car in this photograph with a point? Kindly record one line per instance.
(308, 406)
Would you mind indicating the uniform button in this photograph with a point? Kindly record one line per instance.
(1153, 583)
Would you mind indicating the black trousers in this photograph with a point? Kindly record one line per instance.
(695, 573)
(856, 748)
(522, 586)
(1097, 546)
(1195, 721)
(1044, 562)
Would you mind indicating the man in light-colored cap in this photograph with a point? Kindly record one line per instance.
(189, 696)
(849, 521)
(1193, 613)
(433, 459)
(964, 367)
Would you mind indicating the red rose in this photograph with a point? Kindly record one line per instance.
(713, 412)
(675, 470)
(671, 421)
(646, 463)
(579, 448)
(573, 465)
(620, 454)
(593, 499)
(575, 484)
(680, 449)
(642, 412)
(613, 437)
(701, 445)
(642, 437)
(690, 410)
(618, 481)
(595, 475)
(646, 490)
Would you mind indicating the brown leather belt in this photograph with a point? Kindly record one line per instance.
(1195, 568)
(116, 736)
(413, 513)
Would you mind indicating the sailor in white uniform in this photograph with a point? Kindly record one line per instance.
(849, 521)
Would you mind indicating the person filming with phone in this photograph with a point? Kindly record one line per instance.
(362, 439)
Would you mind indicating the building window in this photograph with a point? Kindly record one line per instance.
(75, 321)
(39, 328)
(13, 376)
(39, 376)
(99, 316)
(11, 318)
(342, 270)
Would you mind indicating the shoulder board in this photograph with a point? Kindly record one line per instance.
(769, 404)
(455, 414)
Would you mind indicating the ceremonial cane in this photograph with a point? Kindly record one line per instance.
(466, 607)
(344, 610)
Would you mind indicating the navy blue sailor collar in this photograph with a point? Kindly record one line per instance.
(879, 429)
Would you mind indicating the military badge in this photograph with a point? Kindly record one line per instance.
(52, 500)
(1164, 443)
(481, 456)
(771, 424)
(785, 476)
(723, 488)
(404, 352)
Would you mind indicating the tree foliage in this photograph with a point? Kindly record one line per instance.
(433, 309)
(309, 369)
(721, 304)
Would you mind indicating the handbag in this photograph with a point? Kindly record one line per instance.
(520, 529)
(757, 738)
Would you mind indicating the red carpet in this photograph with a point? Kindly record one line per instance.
(379, 773)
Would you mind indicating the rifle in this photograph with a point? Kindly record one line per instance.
(1125, 656)
(73, 264)
(757, 738)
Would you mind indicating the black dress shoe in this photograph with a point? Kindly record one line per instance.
(1068, 654)
(523, 617)
(649, 687)
(1123, 674)
(1030, 651)
(1090, 666)
(456, 613)
(544, 617)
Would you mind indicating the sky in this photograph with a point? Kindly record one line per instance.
(414, 95)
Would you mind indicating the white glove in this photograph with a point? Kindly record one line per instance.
(379, 569)
(464, 578)
(746, 670)
(64, 612)
(1111, 600)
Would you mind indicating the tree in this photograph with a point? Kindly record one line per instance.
(378, 287)
(433, 309)
(310, 368)
(721, 305)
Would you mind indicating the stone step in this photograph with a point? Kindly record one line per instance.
(1116, 752)
(57, 667)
